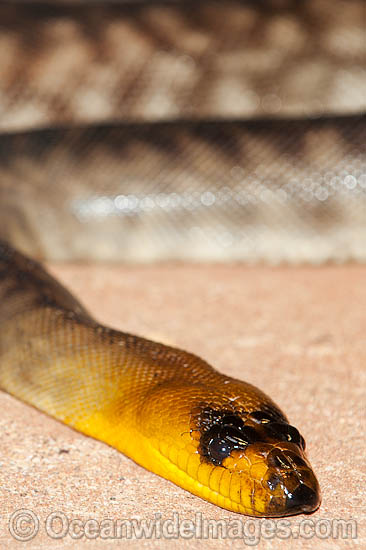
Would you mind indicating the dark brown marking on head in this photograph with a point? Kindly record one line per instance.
(222, 431)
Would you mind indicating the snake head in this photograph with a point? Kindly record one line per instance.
(230, 445)
(263, 459)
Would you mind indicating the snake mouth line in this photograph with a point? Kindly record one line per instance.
(197, 484)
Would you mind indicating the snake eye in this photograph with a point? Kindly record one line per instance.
(225, 434)
(222, 442)
(286, 432)
(219, 449)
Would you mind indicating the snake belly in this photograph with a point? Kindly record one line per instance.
(220, 438)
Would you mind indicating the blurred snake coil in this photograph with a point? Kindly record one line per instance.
(148, 131)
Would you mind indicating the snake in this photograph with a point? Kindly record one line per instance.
(220, 438)
(139, 131)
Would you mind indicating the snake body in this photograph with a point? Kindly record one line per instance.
(218, 437)
(186, 130)
(195, 130)
(223, 190)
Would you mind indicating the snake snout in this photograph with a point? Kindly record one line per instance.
(291, 472)
(303, 499)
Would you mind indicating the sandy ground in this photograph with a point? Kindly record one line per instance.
(299, 334)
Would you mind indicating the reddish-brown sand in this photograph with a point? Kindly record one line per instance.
(298, 334)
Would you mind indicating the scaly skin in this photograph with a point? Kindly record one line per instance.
(165, 408)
